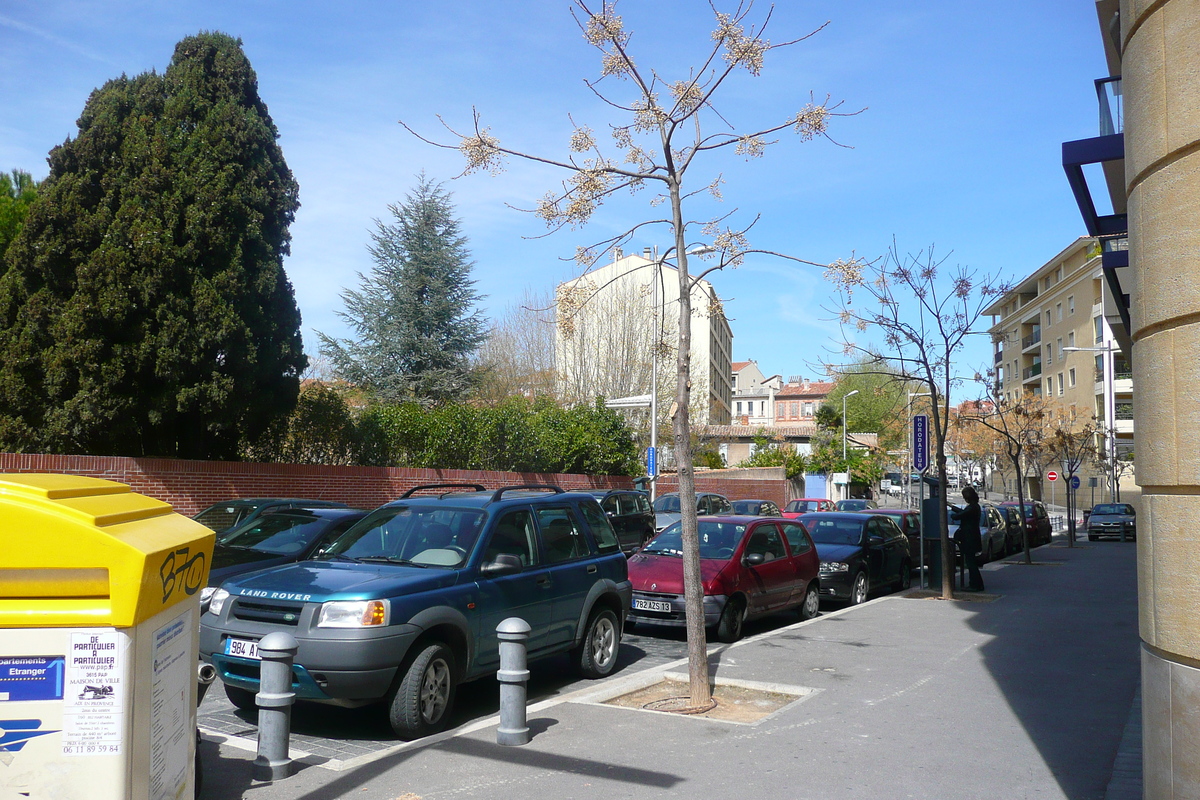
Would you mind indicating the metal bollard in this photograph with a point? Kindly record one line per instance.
(275, 698)
(513, 676)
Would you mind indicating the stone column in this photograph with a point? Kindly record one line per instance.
(1161, 79)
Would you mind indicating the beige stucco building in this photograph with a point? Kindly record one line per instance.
(606, 329)
(1054, 339)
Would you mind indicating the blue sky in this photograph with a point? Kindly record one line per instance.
(959, 146)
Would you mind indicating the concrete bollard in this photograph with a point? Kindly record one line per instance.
(275, 699)
(513, 676)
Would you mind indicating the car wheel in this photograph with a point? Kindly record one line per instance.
(858, 593)
(1092, 538)
(905, 576)
(812, 602)
(729, 628)
(596, 656)
(421, 702)
(241, 698)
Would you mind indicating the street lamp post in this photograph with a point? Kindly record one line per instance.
(1110, 410)
(845, 426)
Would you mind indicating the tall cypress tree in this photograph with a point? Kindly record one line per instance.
(415, 315)
(145, 309)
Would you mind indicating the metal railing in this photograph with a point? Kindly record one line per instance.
(1029, 372)
(1124, 411)
(1031, 339)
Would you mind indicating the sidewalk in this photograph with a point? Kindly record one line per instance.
(1025, 692)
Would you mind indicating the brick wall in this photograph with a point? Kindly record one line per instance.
(191, 486)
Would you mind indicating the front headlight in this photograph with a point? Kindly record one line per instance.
(354, 614)
(834, 566)
(217, 599)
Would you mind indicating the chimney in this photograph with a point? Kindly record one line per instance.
(648, 254)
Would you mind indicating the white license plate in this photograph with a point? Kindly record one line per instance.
(242, 648)
(663, 606)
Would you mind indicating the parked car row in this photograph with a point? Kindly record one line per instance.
(399, 606)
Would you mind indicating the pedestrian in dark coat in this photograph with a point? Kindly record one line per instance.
(969, 538)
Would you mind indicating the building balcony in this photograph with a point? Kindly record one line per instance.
(999, 356)
(1029, 373)
(1031, 340)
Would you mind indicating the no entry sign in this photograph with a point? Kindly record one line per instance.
(1051, 475)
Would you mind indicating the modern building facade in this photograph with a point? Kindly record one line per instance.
(612, 319)
(1054, 339)
(1151, 158)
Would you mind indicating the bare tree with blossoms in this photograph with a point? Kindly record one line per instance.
(670, 125)
(925, 312)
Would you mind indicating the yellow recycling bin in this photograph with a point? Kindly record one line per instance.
(99, 622)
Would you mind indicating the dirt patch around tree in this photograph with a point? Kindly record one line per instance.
(740, 702)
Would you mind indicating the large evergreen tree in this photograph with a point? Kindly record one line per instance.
(415, 315)
(145, 309)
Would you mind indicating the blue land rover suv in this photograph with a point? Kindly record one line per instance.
(404, 605)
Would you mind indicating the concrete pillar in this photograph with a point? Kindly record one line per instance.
(1161, 79)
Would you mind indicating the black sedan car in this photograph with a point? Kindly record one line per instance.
(859, 553)
(630, 515)
(228, 514)
(275, 538)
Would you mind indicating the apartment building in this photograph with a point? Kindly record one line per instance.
(1054, 339)
(753, 394)
(799, 400)
(609, 320)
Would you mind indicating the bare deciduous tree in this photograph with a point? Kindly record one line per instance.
(925, 313)
(517, 358)
(666, 133)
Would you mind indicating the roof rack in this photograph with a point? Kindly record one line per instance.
(499, 493)
(472, 486)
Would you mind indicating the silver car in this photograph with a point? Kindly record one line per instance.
(993, 532)
(666, 508)
(1118, 520)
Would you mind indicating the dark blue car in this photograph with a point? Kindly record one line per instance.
(404, 606)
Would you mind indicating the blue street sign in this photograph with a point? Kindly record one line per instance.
(1074, 481)
(651, 462)
(31, 678)
(920, 435)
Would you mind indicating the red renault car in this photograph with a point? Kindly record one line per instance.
(750, 567)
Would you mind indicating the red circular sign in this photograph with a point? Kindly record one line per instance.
(1051, 475)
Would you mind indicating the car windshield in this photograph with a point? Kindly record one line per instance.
(802, 506)
(278, 534)
(1112, 508)
(852, 505)
(717, 540)
(747, 507)
(223, 516)
(420, 535)
(834, 531)
(667, 504)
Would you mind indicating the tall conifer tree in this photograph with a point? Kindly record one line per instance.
(145, 310)
(415, 319)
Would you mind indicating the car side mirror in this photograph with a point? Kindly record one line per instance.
(875, 539)
(753, 559)
(504, 564)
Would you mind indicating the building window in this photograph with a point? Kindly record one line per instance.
(808, 409)
(739, 409)
(1060, 384)
(1071, 339)
(1058, 275)
(1048, 323)
(1072, 377)
(1060, 350)
(1049, 386)
(1049, 354)
(1058, 311)
(794, 411)
(1098, 323)
(1071, 304)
